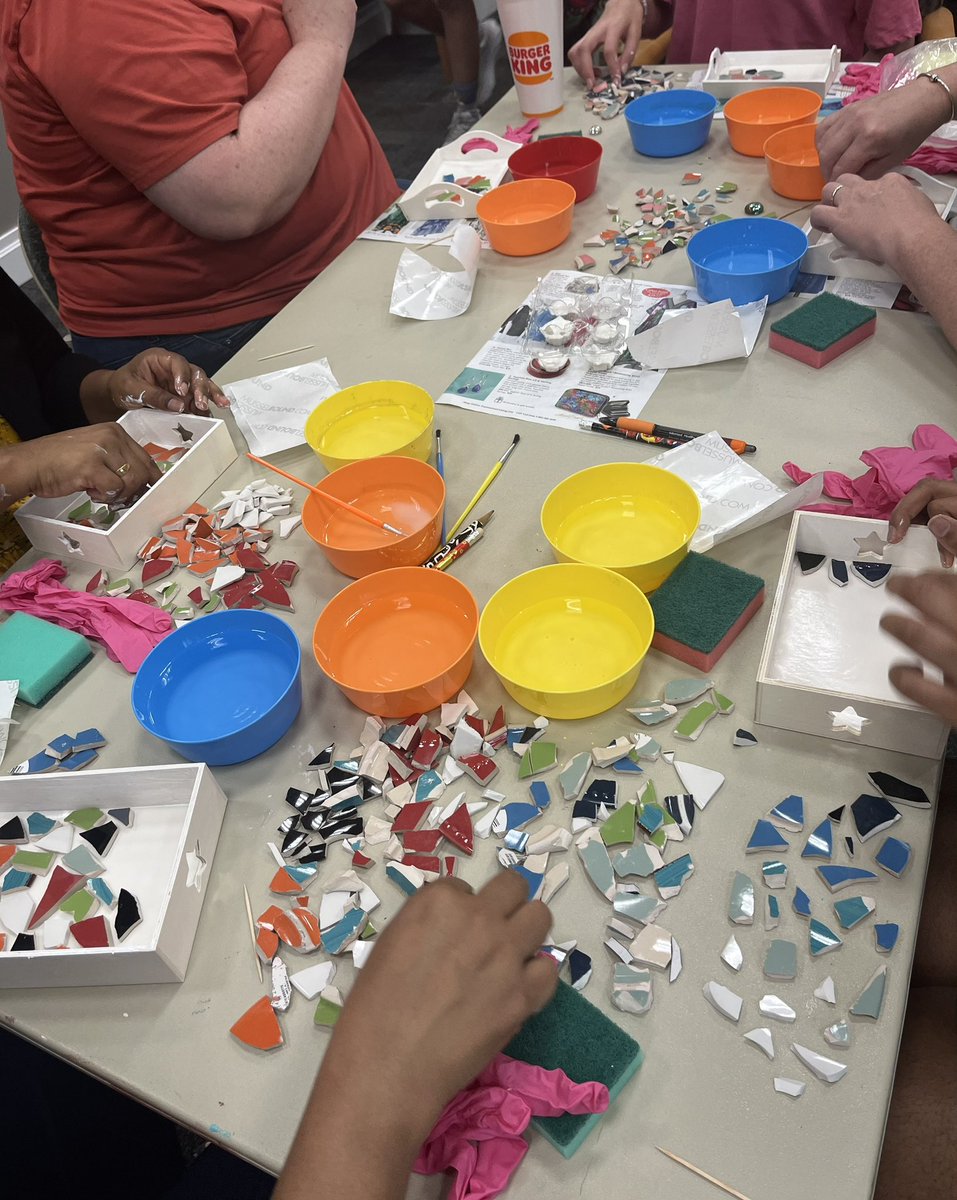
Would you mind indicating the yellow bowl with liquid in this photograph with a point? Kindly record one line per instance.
(567, 641)
(385, 416)
(634, 519)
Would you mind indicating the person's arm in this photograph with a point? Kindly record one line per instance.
(246, 182)
(937, 499)
(155, 378)
(451, 979)
(617, 32)
(890, 220)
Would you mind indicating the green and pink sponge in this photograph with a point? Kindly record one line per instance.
(823, 329)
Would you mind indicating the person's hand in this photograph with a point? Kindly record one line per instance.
(449, 982)
(933, 637)
(617, 32)
(938, 499)
(871, 136)
(320, 20)
(158, 378)
(100, 459)
(875, 218)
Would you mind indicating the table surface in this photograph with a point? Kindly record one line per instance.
(702, 1092)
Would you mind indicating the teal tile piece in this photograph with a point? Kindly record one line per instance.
(894, 856)
(631, 989)
(871, 1000)
(886, 934)
(741, 905)
(646, 751)
(16, 881)
(38, 824)
(302, 875)
(820, 842)
(428, 783)
(683, 691)
(597, 864)
(572, 777)
(638, 908)
(790, 812)
(765, 837)
(821, 939)
(775, 873)
(801, 903)
(400, 880)
(82, 861)
(774, 908)
(653, 716)
(651, 817)
(636, 860)
(853, 910)
(343, 932)
(837, 877)
(103, 892)
(672, 877)
(780, 962)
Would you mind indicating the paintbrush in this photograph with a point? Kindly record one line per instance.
(343, 504)
(486, 484)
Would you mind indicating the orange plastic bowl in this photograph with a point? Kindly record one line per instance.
(404, 492)
(573, 160)
(527, 217)
(752, 117)
(398, 642)
(794, 167)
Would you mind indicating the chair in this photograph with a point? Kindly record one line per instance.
(35, 252)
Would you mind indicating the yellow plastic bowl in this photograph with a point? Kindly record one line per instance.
(567, 641)
(629, 517)
(371, 419)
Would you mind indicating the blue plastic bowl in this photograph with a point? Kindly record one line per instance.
(666, 124)
(746, 259)
(221, 689)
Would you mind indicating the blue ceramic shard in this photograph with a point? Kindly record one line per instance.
(61, 746)
(775, 873)
(598, 867)
(103, 892)
(344, 931)
(853, 910)
(79, 760)
(821, 939)
(872, 815)
(16, 880)
(88, 739)
(801, 903)
(820, 842)
(672, 877)
(518, 813)
(626, 766)
(532, 878)
(38, 824)
(681, 809)
(587, 810)
(898, 789)
(602, 791)
(301, 874)
(886, 934)
(400, 880)
(894, 856)
(873, 573)
(837, 570)
(789, 814)
(122, 816)
(540, 794)
(765, 837)
(429, 785)
(837, 877)
(651, 817)
(579, 964)
(39, 764)
(849, 846)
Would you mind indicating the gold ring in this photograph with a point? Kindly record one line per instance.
(122, 469)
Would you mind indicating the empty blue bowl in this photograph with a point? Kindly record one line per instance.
(666, 124)
(221, 689)
(746, 259)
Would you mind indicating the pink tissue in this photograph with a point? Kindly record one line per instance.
(524, 133)
(937, 158)
(894, 470)
(479, 1135)
(128, 629)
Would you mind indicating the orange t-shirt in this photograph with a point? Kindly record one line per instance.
(104, 98)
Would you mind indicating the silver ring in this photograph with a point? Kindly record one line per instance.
(833, 200)
(122, 469)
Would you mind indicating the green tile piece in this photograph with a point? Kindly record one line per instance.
(620, 826)
(724, 705)
(870, 1002)
(327, 1012)
(780, 962)
(693, 722)
(36, 861)
(649, 794)
(540, 756)
(80, 905)
(85, 818)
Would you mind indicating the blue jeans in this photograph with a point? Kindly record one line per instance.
(209, 350)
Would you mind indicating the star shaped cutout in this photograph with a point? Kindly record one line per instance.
(185, 434)
(873, 544)
(195, 868)
(848, 720)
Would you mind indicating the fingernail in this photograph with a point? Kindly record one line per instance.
(201, 403)
(940, 526)
(182, 387)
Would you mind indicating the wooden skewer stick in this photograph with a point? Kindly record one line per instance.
(252, 932)
(317, 491)
(726, 1188)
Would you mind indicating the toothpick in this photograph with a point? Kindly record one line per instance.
(730, 1191)
(280, 353)
(252, 933)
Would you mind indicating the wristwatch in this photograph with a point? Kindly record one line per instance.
(935, 78)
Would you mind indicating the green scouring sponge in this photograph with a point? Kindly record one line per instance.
(701, 608)
(573, 1036)
(41, 655)
(823, 329)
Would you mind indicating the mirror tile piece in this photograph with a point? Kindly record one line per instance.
(732, 954)
(838, 1034)
(632, 989)
(826, 991)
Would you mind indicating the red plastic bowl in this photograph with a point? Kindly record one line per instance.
(573, 160)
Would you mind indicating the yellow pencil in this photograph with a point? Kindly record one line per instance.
(486, 484)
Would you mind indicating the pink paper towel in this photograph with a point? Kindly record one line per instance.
(894, 470)
(479, 1135)
(128, 629)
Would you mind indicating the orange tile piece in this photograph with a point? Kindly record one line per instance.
(310, 925)
(267, 944)
(282, 883)
(303, 901)
(6, 853)
(259, 1027)
(154, 543)
(196, 510)
(206, 544)
(3, 941)
(289, 931)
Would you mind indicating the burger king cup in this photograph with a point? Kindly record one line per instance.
(533, 38)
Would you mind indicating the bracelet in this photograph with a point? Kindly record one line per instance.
(934, 78)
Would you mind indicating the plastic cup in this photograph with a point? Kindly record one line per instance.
(533, 38)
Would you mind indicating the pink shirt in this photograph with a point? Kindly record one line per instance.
(852, 25)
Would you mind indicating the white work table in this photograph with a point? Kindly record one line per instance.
(702, 1092)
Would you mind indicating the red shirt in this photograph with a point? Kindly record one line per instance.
(104, 98)
(852, 25)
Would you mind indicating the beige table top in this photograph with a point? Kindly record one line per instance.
(702, 1092)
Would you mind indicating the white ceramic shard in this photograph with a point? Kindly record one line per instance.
(762, 1039)
(789, 1087)
(555, 879)
(775, 1008)
(360, 953)
(700, 782)
(620, 952)
(732, 955)
(652, 947)
(827, 991)
(312, 980)
(728, 1003)
(827, 1069)
(676, 963)
(604, 756)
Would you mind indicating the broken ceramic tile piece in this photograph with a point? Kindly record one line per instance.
(692, 724)
(743, 738)
(801, 903)
(872, 573)
(103, 892)
(62, 884)
(579, 964)
(826, 1069)
(480, 768)
(820, 842)
(38, 764)
(682, 810)
(872, 815)
(762, 1039)
(775, 1008)
(821, 940)
(772, 912)
(101, 837)
(640, 860)
(775, 873)
(780, 962)
(898, 790)
(837, 877)
(732, 955)
(258, 1027)
(789, 1087)
(853, 910)
(622, 953)
(555, 878)
(128, 914)
(849, 846)
(84, 818)
(38, 824)
(837, 572)
(789, 814)
(838, 1034)
(646, 909)
(458, 829)
(540, 756)
(700, 782)
(809, 563)
(683, 691)
(894, 856)
(312, 980)
(726, 1002)
(515, 816)
(619, 828)
(59, 840)
(646, 748)
(826, 991)
(24, 943)
(17, 911)
(16, 881)
(13, 832)
(92, 933)
(871, 1000)
(573, 774)
(329, 1008)
(654, 715)
(652, 946)
(281, 989)
(598, 867)
(632, 989)
(547, 838)
(82, 861)
(886, 934)
(741, 905)
(672, 877)
(604, 756)
(35, 862)
(765, 837)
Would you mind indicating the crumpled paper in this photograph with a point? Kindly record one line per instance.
(691, 337)
(894, 470)
(127, 629)
(426, 293)
(479, 1135)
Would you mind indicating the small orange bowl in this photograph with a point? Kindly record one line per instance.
(398, 642)
(751, 117)
(527, 217)
(794, 166)
(403, 492)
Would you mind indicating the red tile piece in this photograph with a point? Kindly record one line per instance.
(450, 860)
(92, 934)
(61, 886)
(428, 863)
(285, 571)
(458, 829)
(361, 860)
(259, 1027)
(477, 724)
(95, 582)
(156, 569)
(497, 734)
(251, 561)
(272, 592)
(411, 816)
(143, 598)
(422, 841)
(479, 767)
(147, 549)
(197, 596)
(427, 750)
